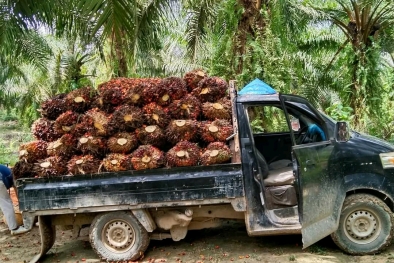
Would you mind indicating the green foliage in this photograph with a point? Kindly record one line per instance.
(339, 112)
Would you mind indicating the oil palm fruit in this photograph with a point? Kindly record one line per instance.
(80, 100)
(182, 130)
(43, 129)
(65, 146)
(85, 125)
(147, 157)
(210, 89)
(122, 142)
(92, 145)
(135, 95)
(151, 134)
(53, 107)
(86, 164)
(193, 77)
(66, 122)
(216, 153)
(184, 153)
(115, 162)
(188, 107)
(217, 110)
(33, 151)
(98, 102)
(112, 91)
(156, 115)
(218, 130)
(22, 169)
(100, 121)
(51, 167)
(176, 87)
(126, 118)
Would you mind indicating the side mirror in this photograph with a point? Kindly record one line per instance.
(342, 133)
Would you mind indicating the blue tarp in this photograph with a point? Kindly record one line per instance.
(257, 87)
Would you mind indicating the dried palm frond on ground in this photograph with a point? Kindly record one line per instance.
(217, 110)
(53, 107)
(33, 151)
(66, 122)
(51, 167)
(188, 107)
(147, 157)
(126, 118)
(122, 142)
(210, 89)
(216, 153)
(152, 134)
(115, 162)
(86, 164)
(100, 121)
(182, 130)
(92, 145)
(183, 154)
(156, 115)
(65, 146)
(218, 130)
(43, 129)
(193, 77)
(79, 100)
(112, 92)
(22, 169)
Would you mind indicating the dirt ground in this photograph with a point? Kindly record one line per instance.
(229, 243)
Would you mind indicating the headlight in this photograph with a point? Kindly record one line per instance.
(387, 160)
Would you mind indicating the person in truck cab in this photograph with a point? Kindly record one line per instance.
(6, 205)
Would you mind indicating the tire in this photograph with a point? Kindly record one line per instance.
(365, 225)
(118, 236)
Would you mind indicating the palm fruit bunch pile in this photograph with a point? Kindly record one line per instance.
(131, 124)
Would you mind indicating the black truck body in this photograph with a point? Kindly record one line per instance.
(336, 182)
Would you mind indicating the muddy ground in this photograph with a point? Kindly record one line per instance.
(229, 243)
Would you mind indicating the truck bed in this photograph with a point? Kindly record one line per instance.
(147, 188)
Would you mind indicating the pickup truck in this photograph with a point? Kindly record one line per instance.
(282, 180)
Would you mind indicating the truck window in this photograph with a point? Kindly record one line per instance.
(267, 119)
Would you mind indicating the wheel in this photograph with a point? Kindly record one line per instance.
(365, 225)
(118, 236)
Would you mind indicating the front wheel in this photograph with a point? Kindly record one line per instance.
(118, 236)
(365, 226)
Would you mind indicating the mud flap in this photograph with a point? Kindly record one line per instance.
(48, 236)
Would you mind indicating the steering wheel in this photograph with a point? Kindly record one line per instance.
(302, 136)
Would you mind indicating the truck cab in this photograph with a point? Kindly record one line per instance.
(306, 173)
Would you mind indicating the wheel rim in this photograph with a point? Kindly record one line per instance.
(118, 235)
(362, 226)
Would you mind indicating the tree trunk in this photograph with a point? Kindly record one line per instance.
(118, 54)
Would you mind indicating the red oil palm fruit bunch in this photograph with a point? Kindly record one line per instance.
(100, 121)
(65, 146)
(126, 118)
(184, 153)
(176, 86)
(66, 122)
(112, 91)
(218, 130)
(147, 157)
(135, 95)
(122, 142)
(156, 115)
(22, 169)
(115, 162)
(80, 100)
(151, 89)
(151, 134)
(43, 129)
(85, 125)
(53, 107)
(182, 130)
(193, 77)
(188, 107)
(98, 102)
(217, 110)
(51, 167)
(92, 145)
(216, 153)
(33, 151)
(86, 164)
(211, 89)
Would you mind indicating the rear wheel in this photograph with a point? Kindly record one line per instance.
(118, 236)
(365, 226)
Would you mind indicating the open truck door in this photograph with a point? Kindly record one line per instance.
(320, 182)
